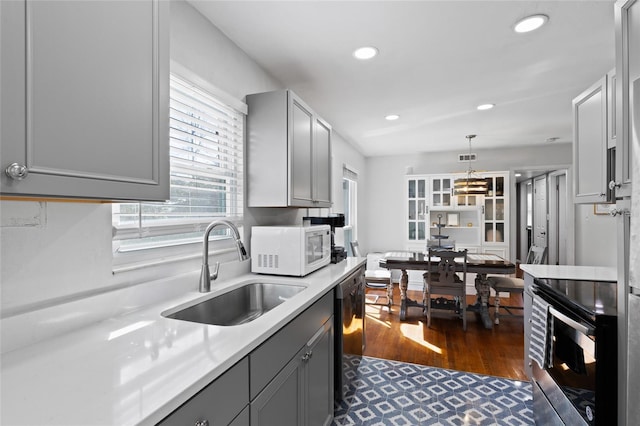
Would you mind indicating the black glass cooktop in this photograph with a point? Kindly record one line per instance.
(593, 297)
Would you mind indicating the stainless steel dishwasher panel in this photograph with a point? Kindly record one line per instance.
(350, 326)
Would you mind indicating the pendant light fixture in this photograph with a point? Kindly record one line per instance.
(470, 185)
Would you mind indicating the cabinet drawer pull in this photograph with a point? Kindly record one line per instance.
(17, 171)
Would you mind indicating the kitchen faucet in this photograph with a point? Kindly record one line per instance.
(205, 275)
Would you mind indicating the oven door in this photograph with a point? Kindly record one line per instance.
(573, 366)
(579, 381)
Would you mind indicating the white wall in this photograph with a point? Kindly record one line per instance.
(344, 153)
(384, 207)
(595, 237)
(55, 252)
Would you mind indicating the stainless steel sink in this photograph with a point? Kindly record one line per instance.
(238, 306)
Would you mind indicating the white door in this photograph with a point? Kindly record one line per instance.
(557, 229)
(540, 211)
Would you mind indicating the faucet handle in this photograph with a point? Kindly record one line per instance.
(216, 267)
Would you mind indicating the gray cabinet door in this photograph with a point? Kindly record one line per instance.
(301, 125)
(322, 163)
(319, 377)
(280, 404)
(627, 15)
(218, 403)
(590, 144)
(86, 107)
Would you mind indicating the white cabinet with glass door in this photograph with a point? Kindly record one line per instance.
(479, 223)
(495, 215)
(468, 200)
(441, 191)
(417, 212)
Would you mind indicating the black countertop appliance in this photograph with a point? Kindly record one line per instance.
(338, 253)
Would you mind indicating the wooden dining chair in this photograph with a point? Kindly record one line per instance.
(376, 279)
(514, 285)
(443, 278)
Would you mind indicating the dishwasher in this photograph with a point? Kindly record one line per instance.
(349, 313)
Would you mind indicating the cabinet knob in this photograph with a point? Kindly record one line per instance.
(204, 422)
(613, 185)
(16, 171)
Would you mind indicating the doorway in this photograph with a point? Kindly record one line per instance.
(540, 211)
(542, 214)
(558, 236)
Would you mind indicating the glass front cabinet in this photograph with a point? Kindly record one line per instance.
(441, 191)
(495, 227)
(417, 209)
(435, 214)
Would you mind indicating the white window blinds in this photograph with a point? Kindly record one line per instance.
(206, 157)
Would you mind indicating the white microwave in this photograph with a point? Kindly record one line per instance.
(290, 250)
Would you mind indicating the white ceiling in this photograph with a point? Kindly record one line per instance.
(438, 60)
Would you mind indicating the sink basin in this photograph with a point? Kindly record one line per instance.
(238, 306)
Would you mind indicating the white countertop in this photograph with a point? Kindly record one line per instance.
(137, 368)
(571, 272)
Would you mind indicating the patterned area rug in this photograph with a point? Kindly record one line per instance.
(384, 392)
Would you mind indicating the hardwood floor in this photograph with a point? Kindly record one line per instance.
(496, 352)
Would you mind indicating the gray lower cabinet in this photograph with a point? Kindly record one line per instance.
(278, 403)
(318, 386)
(223, 402)
(84, 111)
(301, 393)
(288, 380)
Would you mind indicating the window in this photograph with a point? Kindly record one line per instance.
(206, 162)
(349, 190)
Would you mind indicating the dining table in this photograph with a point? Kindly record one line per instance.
(481, 264)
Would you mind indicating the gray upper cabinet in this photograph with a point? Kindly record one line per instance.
(590, 145)
(322, 163)
(289, 152)
(628, 91)
(85, 96)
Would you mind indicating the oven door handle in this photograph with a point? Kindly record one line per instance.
(588, 331)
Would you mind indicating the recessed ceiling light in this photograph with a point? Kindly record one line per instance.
(365, 53)
(484, 107)
(530, 23)
(518, 174)
(392, 117)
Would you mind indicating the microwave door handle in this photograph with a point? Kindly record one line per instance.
(588, 331)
